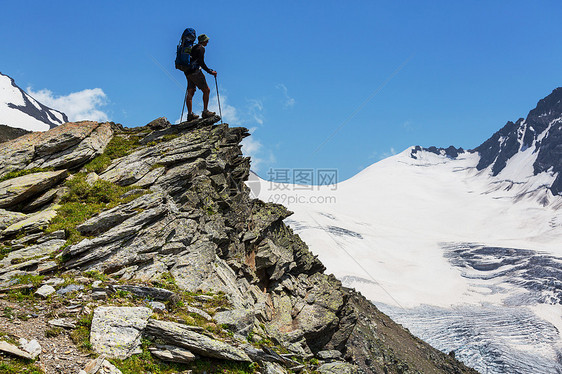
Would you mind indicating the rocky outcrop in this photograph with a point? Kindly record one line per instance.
(64, 147)
(185, 219)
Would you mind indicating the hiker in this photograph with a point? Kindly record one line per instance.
(196, 78)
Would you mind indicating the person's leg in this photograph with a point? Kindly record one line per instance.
(189, 100)
(206, 94)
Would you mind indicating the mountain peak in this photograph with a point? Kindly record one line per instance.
(540, 133)
(18, 109)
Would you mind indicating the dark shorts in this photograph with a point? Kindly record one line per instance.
(196, 80)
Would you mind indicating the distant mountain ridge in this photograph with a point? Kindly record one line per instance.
(462, 247)
(541, 132)
(19, 110)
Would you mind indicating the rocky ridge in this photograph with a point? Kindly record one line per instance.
(145, 242)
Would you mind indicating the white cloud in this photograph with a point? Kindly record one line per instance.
(288, 101)
(82, 105)
(229, 113)
(253, 148)
(256, 110)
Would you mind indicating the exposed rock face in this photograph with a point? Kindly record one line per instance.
(64, 147)
(195, 223)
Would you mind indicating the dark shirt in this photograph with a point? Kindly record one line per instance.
(198, 55)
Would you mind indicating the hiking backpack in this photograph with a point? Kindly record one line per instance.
(184, 61)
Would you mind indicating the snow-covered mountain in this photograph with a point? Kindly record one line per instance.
(19, 110)
(464, 248)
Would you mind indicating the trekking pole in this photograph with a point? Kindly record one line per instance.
(218, 98)
(183, 106)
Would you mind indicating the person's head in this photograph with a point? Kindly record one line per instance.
(203, 39)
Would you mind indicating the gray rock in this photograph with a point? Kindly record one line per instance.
(45, 291)
(54, 281)
(59, 234)
(8, 218)
(33, 223)
(69, 288)
(88, 148)
(14, 191)
(155, 293)
(32, 347)
(338, 368)
(157, 306)
(199, 312)
(172, 353)
(13, 350)
(241, 321)
(273, 368)
(159, 123)
(44, 199)
(99, 295)
(329, 355)
(177, 334)
(116, 331)
(61, 322)
(34, 251)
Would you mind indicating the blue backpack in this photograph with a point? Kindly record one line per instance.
(184, 62)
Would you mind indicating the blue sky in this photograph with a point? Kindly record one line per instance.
(321, 84)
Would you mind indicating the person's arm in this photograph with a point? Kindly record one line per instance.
(198, 55)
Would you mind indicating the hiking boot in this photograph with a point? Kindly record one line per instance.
(207, 114)
(192, 116)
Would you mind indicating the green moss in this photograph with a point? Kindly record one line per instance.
(98, 164)
(120, 146)
(53, 332)
(35, 280)
(97, 275)
(21, 173)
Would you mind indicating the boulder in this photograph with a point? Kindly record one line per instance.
(116, 331)
(14, 351)
(32, 347)
(45, 291)
(240, 321)
(338, 368)
(177, 334)
(172, 353)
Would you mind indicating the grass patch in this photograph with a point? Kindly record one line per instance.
(81, 335)
(118, 146)
(11, 365)
(83, 201)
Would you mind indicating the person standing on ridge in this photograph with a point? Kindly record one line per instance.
(196, 78)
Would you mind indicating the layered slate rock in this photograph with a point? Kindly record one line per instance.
(116, 331)
(66, 146)
(14, 191)
(177, 334)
